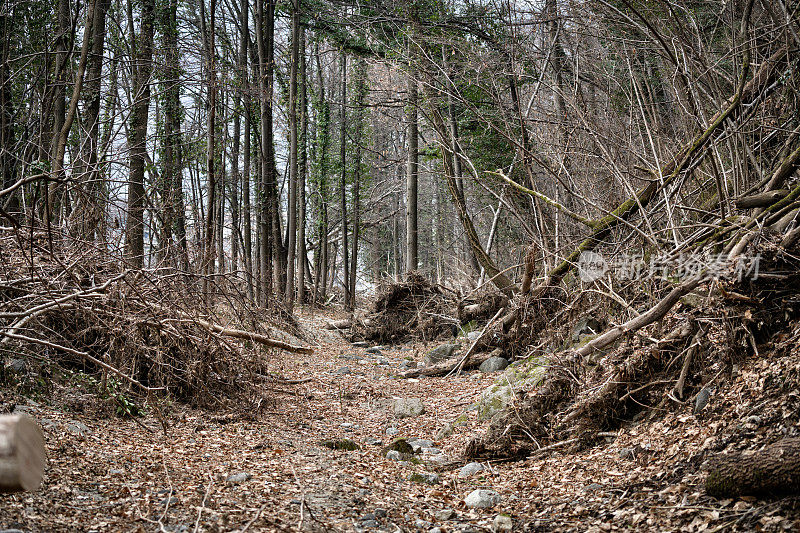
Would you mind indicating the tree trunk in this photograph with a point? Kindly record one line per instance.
(343, 179)
(142, 67)
(302, 173)
(773, 470)
(412, 169)
(247, 252)
(291, 222)
(211, 177)
(22, 454)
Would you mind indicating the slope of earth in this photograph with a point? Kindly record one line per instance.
(265, 468)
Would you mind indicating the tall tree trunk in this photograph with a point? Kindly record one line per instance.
(247, 252)
(269, 235)
(361, 91)
(343, 179)
(7, 159)
(291, 222)
(323, 142)
(211, 183)
(303, 172)
(88, 210)
(412, 170)
(59, 96)
(142, 68)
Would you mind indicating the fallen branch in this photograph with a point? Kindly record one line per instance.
(250, 336)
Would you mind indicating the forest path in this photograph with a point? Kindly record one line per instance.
(267, 470)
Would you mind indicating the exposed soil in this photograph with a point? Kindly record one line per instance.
(110, 474)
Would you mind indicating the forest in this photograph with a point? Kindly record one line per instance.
(423, 265)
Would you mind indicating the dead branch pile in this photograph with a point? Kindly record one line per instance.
(78, 309)
(412, 308)
(679, 348)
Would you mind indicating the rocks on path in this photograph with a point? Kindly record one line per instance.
(482, 499)
(407, 407)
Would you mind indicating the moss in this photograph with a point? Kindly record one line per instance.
(341, 444)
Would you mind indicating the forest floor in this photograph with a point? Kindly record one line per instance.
(235, 471)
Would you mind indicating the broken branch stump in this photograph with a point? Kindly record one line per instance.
(22, 454)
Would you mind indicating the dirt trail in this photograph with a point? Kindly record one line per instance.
(110, 474)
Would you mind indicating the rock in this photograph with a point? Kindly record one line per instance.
(341, 444)
(587, 325)
(380, 513)
(702, 399)
(239, 477)
(18, 366)
(430, 479)
(11, 531)
(470, 469)
(172, 500)
(472, 336)
(419, 523)
(482, 499)
(435, 530)
(368, 516)
(502, 522)
(443, 515)
(407, 407)
(345, 370)
(399, 445)
(394, 455)
(444, 432)
(493, 364)
(438, 459)
(383, 362)
(78, 428)
(392, 431)
(440, 353)
(371, 441)
(417, 445)
(375, 350)
(592, 487)
(627, 453)
(360, 344)
(432, 450)
(370, 523)
(116, 472)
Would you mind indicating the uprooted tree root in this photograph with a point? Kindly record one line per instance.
(78, 309)
(411, 309)
(666, 363)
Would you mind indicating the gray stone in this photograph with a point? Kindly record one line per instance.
(360, 344)
(380, 513)
(172, 500)
(435, 530)
(438, 459)
(115, 472)
(587, 325)
(592, 487)
(493, 364)
(407, 407)
(371, 441)
(418, 445)
(368, 516)
(430, 450)
(424, 477)
(501, 523)
(394, 455)
(18, 366)
(472, 336)
(702, 399)
(391, 431)
(470, 469)
(443, 515)
(440, 353)
(482, 499)
(345, 370)
(78, 428)
(375, 350)
(444, 432)
(239, 477)
(370, 523)
(419, 523)
(383, 362)
(627, 453)
(11, 531)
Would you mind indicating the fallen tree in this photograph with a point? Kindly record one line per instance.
(772, 471)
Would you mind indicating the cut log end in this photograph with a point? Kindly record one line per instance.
(22, 454)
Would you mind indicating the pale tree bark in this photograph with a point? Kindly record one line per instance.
(211, 177)
(291, 222)
(302, 173)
